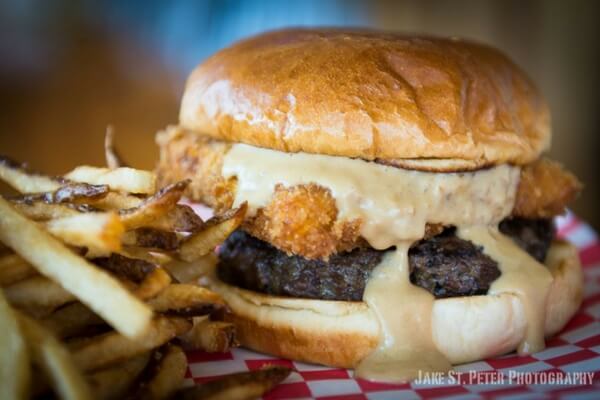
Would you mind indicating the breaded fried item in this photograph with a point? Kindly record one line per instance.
(303, 219)
(545, 189)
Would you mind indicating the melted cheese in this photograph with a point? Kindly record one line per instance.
(404, 314)
(521, 275)
(394, 205)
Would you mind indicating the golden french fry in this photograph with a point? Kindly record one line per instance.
(99, 232)
(122, 179)
(167, 376)
(133, 269)
(241, 386)
(209, 336)
(72, 319)
(71, 192)
(94, 287)
(186, 272)
(154, 207)
(154, 283)
(40, 211)
(117, 201)
(116, 382)
(37, 295)
(13, 269)
(25, 182)
(113, 159)
(217, 230)
(150, 256)
(110, 348)
(15, 374)
(151, 238)
(55, 360)
(186, 300)
(180, 218)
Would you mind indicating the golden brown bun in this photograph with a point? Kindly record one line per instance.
(370, 95)
(340, 334)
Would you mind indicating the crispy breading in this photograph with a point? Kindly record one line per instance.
(303, 219)
(545, 189)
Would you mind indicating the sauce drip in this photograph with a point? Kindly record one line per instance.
(522, 275)
(405, 344)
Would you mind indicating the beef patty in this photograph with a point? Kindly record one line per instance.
(445, 265)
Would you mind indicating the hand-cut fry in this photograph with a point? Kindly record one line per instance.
(16, 176)
(153, 238)
(186, 272)
(130, 268)
(209, 336)
(154, 283)
(154, 206)
(113, 159)
(117, 201)
(110, 348)
(40, 211)
(181, 218)
(186, 300)
(72, 319)
(14, 359)
(55, 360)
(71, 192)
(123, 179)
(206, 240)
(151, 256)
(241, 386)
(13, 269)
(38, 295)
(99, 232)
(115, 382)
(95, 288)
(166, 377)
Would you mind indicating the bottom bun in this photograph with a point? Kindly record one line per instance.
(341, 333)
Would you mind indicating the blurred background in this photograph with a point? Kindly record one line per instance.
(70, 68)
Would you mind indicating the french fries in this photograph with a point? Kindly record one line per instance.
(55, 360)
(93, 287)
(154, 283)
(16, 176)
(130, 268)
(186, 300)
(151, 238)
(186, 272)
(13, 269)
(205, 241)
(166, 376)
(116, 382)
(245, 385)
(180, 219)
(112, 269)
(15, 373)
(154, 207)
(111, 348)
(209, 336)
(38, 295)
(113, 159)
(70, 320)
(40, 211)
(100, 233)
(122, 179)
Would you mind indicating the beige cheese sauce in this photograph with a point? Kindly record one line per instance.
(394, 206)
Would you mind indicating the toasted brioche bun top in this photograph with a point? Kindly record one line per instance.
(369, 95)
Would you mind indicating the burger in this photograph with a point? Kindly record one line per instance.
(400, 210)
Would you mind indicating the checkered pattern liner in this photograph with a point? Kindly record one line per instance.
(576, 349)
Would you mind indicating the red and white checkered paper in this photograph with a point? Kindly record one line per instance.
(576, 349)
